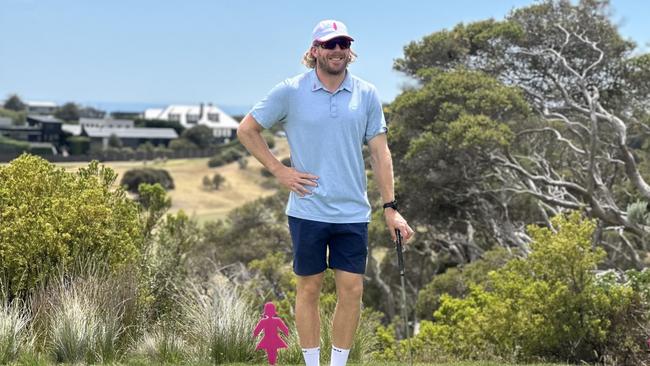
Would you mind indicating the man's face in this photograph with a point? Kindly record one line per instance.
(333, 61)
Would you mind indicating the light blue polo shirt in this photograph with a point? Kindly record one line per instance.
(326, 132)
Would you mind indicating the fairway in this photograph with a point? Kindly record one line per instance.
(241, 185)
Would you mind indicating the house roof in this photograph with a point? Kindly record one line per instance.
(43, 119)
(35, 103)
(105, 121)
(225, 120)
(75, 130)
(132, 133)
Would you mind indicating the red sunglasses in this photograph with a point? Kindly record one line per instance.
(344, 43)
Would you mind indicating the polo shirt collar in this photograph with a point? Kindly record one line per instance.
(316, 83)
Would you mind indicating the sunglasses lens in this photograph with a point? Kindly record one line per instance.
(344, 43)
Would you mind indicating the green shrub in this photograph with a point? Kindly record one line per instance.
(226, 155)
(550, 305)
(456, 281)
(182, 144)
(50, 218)
(8, 145)
(79, 145)
(217, 180)
(134, 177)
(18, 118)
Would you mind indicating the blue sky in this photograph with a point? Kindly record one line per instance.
(226, 52)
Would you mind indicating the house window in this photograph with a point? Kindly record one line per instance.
(192, 118)
(214, 117)
(174, 117)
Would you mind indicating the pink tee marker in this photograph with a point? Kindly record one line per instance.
(271, 340)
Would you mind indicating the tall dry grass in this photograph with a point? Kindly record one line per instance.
(15, 335)
(220, 325)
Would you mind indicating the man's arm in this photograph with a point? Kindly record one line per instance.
(382, 167)
(249, 134)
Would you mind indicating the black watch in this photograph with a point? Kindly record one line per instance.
(391, 204)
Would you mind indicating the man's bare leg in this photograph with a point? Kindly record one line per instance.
(349, 289)
(307, 313)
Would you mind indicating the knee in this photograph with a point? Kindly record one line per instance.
(309, 291)
(350, 292)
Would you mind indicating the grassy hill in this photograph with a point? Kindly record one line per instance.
(241, 185)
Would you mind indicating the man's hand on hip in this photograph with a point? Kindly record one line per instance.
(395, 221)
(294, 180)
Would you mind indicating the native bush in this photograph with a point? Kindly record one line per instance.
(50, 218)
(134, 177)
(550, 305)
(219, 325)
(226, 155)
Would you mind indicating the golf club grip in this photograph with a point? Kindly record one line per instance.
(400, 256)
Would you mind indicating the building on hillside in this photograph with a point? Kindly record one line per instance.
(106, 123)
(21, 133)
(223, 126)
(75, 129)
(41, 108)
(49, 126)
(130, 137)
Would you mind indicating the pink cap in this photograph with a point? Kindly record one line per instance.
(329, 29)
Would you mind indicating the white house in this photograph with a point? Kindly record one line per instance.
(42, 108)
(223, 126)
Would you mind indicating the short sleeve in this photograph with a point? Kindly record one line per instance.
(273, 108)
(376, 121)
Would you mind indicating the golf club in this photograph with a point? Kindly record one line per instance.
(400, 263)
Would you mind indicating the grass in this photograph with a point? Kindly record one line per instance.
(241, 185)
(376, 363)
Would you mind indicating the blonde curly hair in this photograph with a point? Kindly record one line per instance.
(310, 61)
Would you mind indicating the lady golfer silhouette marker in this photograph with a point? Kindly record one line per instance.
(271, 340)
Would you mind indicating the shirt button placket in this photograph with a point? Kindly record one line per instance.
(333, 108)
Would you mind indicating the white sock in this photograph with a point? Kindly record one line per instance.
(311, 356)
(339, 356)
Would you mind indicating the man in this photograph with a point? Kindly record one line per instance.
(327, 115)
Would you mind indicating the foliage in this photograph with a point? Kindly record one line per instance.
(217, 180)
(114, 141)
(489, 160)
(550, 305)
(68, 112)
(84, 324)
(227, 155)
(14, 332)
(8, 145)
(200, 136)
(14, 103)
(163, 346)
(166, 265)
(182, 144)
(134, 177)
(18, 118)
(219, 324)
(79, 145)
(456, 281)
(50, 218)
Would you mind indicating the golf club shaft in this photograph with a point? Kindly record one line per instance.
(400, 263)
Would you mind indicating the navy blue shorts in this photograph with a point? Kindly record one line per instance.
(347, 243)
